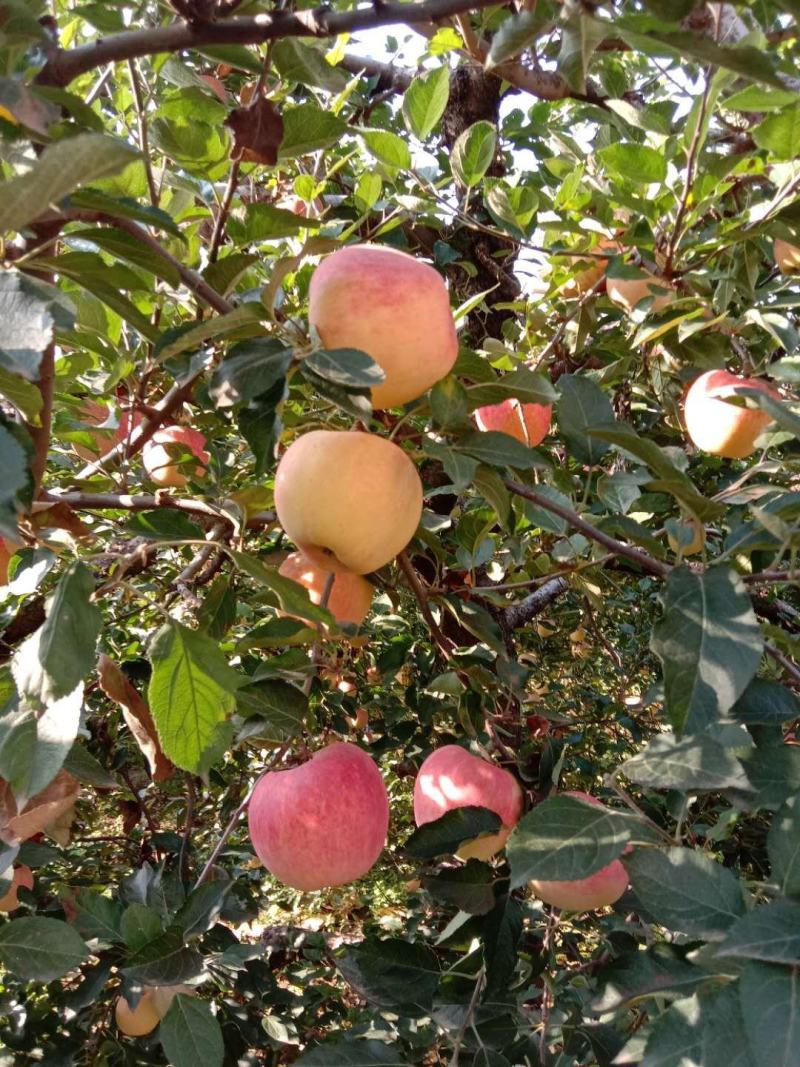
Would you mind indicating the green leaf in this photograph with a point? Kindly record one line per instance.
(425, 99)
(124, 246)
(468, 888)
(473, 152)
(139, 926)
(165, 960)
(498, 450)
(752, 63)
(202, 907)
(353, 1052)
(706, 1030)
(444, 836)
(516, 34)
(764, 702)
(636, 162)
(368, 190)
(303, 63)
(770, 933)
(659, 970)
(513, 207)
(24, 395)
(449, 402)
(583, 404)
(754, 98)
(709, 643)
(392, 973)
(565, 838)
(16, 485)
(783, 846)
(770, 998)
(281, 707)
(250, 369)
(686, 891)
(387, 147)
(164, 525)
(501, 933)
(307, 128)
(580, 36)
(52, 662)
(125, 208)
(292, 597)
(190, 1034)
(81, 764)
(265, 222)
(697, 763)
(347, 367)
(774, 773)
(30, 313)
(527, 386)
(779, 134)
(39, 949)
(61, 168)
(492, 488)
(97, 915)
(187, 340)
(191, 694)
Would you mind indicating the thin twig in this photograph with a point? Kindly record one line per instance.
(317, 646)
(188, 826)
(788, 665)
(421, 595)
(224, 211)
(691, 164)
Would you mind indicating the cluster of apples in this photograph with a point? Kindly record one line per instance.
(325, 822)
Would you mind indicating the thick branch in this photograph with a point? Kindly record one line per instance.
(534, 604)
(647, 562)
(66, 65)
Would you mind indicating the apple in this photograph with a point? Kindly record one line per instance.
(138, 1021)
(349, 501)
(323, 823)
(450, 777)
(585, 894)
(158, 455)
(720, 428)
(391, 306)
(94, 415)
(528, 423)
(538, 725)
(359, 721)
(787, 257)
(627, 293)
(22, 879)
(588, 278)
(350, 596)
(697, 541)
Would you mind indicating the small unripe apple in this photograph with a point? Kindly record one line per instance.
(450, 777)
(585, 894)
(697, 541)
(718, 427)
(528, 423)
(158, 455)
(138, 1021)
(21, 879)
(350, 596)
(323, 823)
(349, 501)
(787, 257)
(627, 293)
(391, 306)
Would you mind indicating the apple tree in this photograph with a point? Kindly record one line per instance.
(399, 615)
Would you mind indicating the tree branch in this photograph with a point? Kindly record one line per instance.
(647, 562)
(66, 65)
(147, 502)
(534, 604)
(417, 588)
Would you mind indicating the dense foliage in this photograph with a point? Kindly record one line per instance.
(613, 611)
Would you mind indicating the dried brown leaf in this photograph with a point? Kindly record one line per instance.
(257, 132)
(51, 811)
(137, 717)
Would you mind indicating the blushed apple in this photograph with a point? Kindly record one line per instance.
(718, 427)
(598, 890)
(159, 455)
(391, 306)
(450, 777)
(350, 596)
(349, 501)
(323, 823)
(528, 423)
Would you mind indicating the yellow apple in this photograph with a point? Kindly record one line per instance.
(698, 538)
(391, 306)
(350, 596)
(138, 1021)
(720, 428)
(158, 455)
(349, 501)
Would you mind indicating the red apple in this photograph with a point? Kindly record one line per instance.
(391, 306)
(349, 501)
(528, 423)
(323, 823)
(159, 459)
(585, 894)
(350, 596)
(451, 778)
(720, 428)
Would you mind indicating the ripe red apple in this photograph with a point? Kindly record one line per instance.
(350, 596)
(627, 293)
(138, 1021)
(349, 501)
(585, 894)
(720, 428)
(451, 778)
(787, 257)
(323, 823)
(528, 423)
(22, 879)
(159, 460)
(391, 306)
